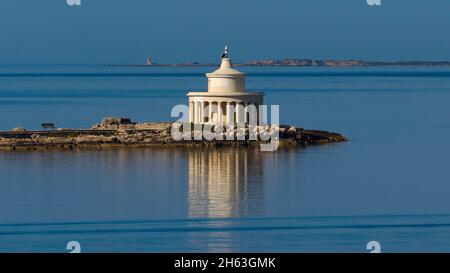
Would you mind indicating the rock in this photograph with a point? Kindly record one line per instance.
(113, 123)
(113, 132)
(153, 126)
(18, 129)
(292, 132)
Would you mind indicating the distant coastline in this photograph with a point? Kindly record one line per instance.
(301, 63)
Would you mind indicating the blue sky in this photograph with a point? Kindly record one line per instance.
(127, 31)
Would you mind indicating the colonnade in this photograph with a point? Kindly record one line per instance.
(222, 112)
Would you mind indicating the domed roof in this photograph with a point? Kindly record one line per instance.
(226, 68)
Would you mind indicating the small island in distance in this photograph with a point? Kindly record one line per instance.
(301, 63)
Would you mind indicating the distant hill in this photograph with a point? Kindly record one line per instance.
(341, 63)
(309, 62)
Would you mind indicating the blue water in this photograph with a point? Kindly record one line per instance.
(390, 183)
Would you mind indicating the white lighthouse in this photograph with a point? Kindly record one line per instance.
(227, 100)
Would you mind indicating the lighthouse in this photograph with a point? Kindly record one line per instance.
(227, 100)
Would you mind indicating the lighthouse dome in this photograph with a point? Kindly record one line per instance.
(226, 79)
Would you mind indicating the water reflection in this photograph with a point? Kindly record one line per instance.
(225, 182)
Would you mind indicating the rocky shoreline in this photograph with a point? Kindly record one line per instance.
(122, 133)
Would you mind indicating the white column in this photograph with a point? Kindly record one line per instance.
(239, 112)
(245, 112)
(257, 113)
(202, 112)
(237, 109)
(191, 111)
(199, 111)
(196, 111)
(219, 112)
(210, 113)
(229, 117)
(252, 116)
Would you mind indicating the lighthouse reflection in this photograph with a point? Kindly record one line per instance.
(225, 183)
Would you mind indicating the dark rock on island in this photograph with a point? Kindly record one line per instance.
(122, 132)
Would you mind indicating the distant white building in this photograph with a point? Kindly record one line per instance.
(227, 100)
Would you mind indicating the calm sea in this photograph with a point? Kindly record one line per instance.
(390, 183)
